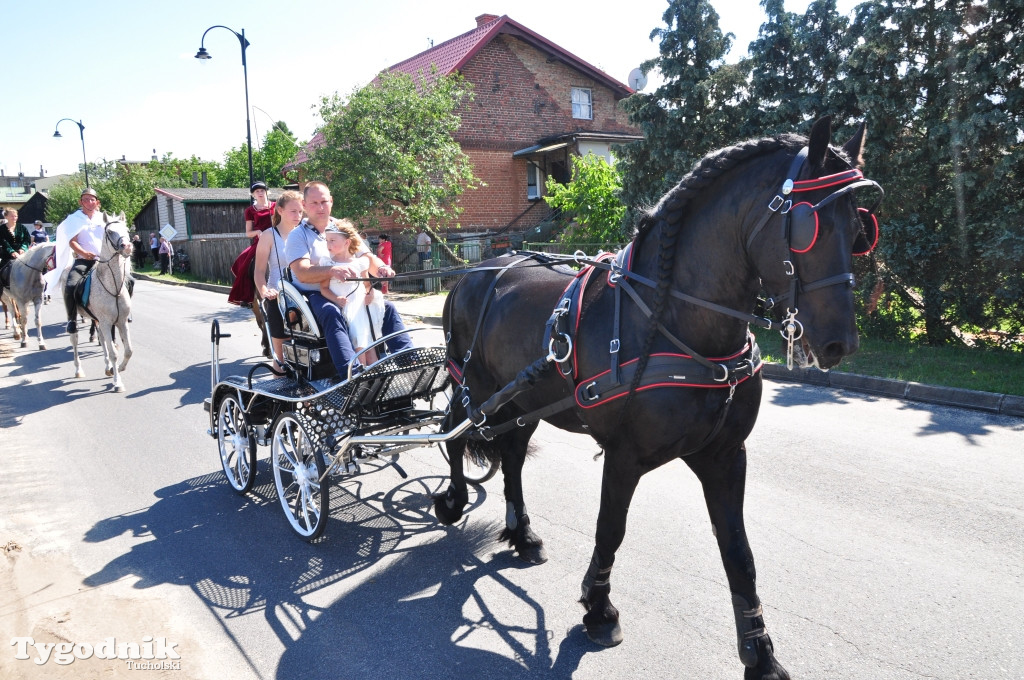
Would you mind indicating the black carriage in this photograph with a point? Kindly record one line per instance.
(318, 424)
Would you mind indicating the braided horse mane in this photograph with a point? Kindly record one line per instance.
(668, 216)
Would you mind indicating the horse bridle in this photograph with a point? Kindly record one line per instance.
(117, 246)
(845, 183)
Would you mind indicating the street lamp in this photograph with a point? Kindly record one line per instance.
(203, 54)
(81, 133)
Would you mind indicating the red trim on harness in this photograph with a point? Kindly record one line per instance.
(745, 349)
(826, 181)
(454, 372)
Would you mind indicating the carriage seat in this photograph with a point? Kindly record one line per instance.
(305, 349)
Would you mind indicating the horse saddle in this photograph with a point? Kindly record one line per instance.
(5, 275)
(81, 291)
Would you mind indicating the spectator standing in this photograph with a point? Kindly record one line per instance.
(423, 243)
(154, 248)
(384, 253)
(39, 233)
(166, 250)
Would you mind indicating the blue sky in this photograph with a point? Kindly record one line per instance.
(126, 69)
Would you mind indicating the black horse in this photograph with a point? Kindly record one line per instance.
(653, 354)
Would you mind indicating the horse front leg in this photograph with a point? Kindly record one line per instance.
(39, 326)
(110, 357)
(618, 483)
(723, 477)
(126, 345)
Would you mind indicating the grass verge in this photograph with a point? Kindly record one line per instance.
(995, 371)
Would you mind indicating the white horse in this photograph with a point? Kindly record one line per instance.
(109, 303)
(26, 286)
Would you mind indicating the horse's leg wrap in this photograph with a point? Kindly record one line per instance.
(602, 618)
(749, 628)
(520, 536)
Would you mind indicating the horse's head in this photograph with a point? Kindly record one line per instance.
(803, 245)
(115, 234)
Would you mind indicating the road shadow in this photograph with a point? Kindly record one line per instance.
(238, 555)
(194, 381)
(969, 424)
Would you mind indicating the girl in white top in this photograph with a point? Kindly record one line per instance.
(269, 262)
(362, 305)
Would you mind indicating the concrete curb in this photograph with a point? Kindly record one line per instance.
(1001, 404)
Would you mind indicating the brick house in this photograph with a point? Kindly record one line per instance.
(535, 105)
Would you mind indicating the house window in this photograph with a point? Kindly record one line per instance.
(582, 103)
(532, 181)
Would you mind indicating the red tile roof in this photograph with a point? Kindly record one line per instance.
(452, 55)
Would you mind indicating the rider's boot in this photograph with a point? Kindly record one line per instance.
(69, 302)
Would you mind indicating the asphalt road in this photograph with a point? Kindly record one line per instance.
(888, 538)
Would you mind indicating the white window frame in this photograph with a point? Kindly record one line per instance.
(534, 173)
(582, 103)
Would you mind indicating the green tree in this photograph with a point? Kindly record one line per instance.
(185, 172)
(592, 199)
(269, 157)
(694, 111)
(949, 153)
(389, 149)
(121, 188)
(796, 70)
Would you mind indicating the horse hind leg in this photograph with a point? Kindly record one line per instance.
(723, 479)
(518, 532)
(79, 372)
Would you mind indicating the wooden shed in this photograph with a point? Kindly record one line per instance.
(209, 222)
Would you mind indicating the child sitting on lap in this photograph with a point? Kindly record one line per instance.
(362, 305)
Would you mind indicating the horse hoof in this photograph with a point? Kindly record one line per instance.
(119, 388)
(605, 634)
(42, 346)
(79, 374)
(533, 554)
(24, 344)
(108, 372)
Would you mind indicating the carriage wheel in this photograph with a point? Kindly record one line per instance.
(298, 467)
(237, 444)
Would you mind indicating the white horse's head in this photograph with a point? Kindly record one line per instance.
(116, 235)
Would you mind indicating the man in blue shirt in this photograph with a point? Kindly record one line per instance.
(304, 250)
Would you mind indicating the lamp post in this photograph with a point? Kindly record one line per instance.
(81, 133)
(203, 54)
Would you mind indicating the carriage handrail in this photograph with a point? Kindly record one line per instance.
(355, 360)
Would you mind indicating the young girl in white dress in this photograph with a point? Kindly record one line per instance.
(362, 305)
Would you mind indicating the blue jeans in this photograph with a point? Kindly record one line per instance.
(334, 326)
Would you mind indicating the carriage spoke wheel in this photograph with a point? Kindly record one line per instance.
(298, 467)
(237, 444)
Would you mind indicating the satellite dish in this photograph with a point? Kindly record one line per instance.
(637, 80)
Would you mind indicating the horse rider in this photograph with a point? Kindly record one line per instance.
(14, 240)
(79, 239)
(305, 247)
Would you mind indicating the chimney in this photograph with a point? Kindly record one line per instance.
(485, 19)
(205, 183)
(42, 173)
(195, 178)
(154, 155)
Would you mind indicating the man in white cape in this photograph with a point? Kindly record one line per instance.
(79, 238)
